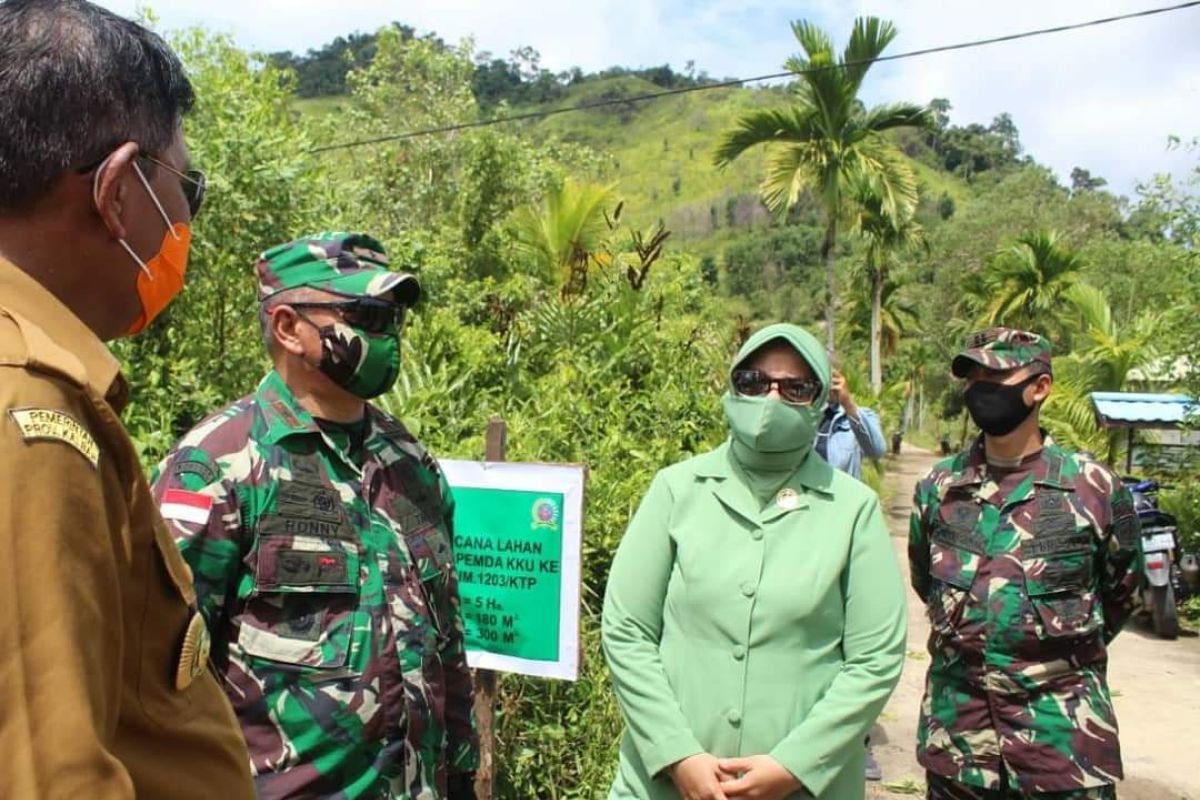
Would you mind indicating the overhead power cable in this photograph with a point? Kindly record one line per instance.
(483, 123)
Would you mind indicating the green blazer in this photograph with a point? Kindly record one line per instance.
(736, 630)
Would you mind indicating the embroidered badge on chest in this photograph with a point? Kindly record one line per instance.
(47, 424)
(193, 655)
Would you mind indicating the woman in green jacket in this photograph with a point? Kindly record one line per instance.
(754, 620)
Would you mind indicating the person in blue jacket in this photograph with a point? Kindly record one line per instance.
(848, 433)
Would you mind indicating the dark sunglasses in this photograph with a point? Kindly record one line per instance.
(798, 391)
(193, 183)
(368, 313)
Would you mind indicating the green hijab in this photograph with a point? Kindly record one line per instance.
(770, 439)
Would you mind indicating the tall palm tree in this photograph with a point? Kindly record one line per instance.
(887, 236)
(1028, 282)
(563, 235)
(827, 139)
(1104, 362)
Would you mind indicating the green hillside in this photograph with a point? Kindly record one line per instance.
(661, 155)
(662, 152)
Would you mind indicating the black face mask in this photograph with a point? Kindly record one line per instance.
(996, 408)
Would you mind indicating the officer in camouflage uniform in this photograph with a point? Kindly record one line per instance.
(1027, 555)
(319, 533)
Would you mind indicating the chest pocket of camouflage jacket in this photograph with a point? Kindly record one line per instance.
(955, 550)
(1058, 563)
(301, 610)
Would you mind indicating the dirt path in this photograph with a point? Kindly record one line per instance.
(1155, 684)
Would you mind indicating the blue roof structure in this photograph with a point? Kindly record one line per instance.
(1135, 410)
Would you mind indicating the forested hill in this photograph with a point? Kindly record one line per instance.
(661, 151)
(659, 156)
(979, 193)
(518, 80)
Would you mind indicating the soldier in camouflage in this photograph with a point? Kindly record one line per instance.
(1027, 556)
(319, 533)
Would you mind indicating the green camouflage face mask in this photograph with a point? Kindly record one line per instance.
(364, 364)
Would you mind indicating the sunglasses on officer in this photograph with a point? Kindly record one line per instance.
(755, 383)
(369, 314)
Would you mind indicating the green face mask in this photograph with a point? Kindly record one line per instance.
(364, 364)
(769, 434)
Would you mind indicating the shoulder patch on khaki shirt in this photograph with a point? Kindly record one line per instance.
(47, 424)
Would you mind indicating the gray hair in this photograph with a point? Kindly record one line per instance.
(77, 81)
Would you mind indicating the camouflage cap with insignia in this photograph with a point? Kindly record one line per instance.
(345, 263)
(1001, 349)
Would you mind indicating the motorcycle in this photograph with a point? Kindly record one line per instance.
(1164, 585)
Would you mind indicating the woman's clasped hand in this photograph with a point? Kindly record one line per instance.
(704, 777)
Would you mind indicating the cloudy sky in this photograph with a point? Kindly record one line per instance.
(1103, 98)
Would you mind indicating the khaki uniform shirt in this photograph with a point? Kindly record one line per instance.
(104, 682)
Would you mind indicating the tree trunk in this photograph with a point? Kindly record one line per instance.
(876, 328)
(829, 254)
(920, 405)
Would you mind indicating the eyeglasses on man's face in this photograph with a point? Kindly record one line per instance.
(193, 182)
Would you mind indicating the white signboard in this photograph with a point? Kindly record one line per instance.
(517, 546)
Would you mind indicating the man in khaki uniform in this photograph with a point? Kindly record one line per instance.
(105, 689)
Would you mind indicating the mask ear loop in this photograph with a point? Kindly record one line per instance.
(96, 200)
(154, 197)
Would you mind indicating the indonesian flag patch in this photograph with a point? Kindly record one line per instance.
(186, 506)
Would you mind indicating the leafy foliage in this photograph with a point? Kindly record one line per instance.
(322, 71)
(562, 237)
(1026, 285)
(205, 351)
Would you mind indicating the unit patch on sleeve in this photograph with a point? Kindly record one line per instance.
(48, 424)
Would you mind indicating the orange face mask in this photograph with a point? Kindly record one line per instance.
(161, 279)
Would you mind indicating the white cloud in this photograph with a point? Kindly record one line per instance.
(1104, 98)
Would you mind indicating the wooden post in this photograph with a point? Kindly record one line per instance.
(486, 681)
(1129, 450)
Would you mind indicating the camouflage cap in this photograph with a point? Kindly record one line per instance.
(336, 261)
(1001, 349)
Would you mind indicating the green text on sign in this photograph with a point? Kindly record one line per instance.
(508, 550)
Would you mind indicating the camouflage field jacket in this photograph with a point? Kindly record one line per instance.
(1027, 574)
(329, 586)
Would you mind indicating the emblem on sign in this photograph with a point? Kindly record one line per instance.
(545, 514)
(787, 499)
(193, 656)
